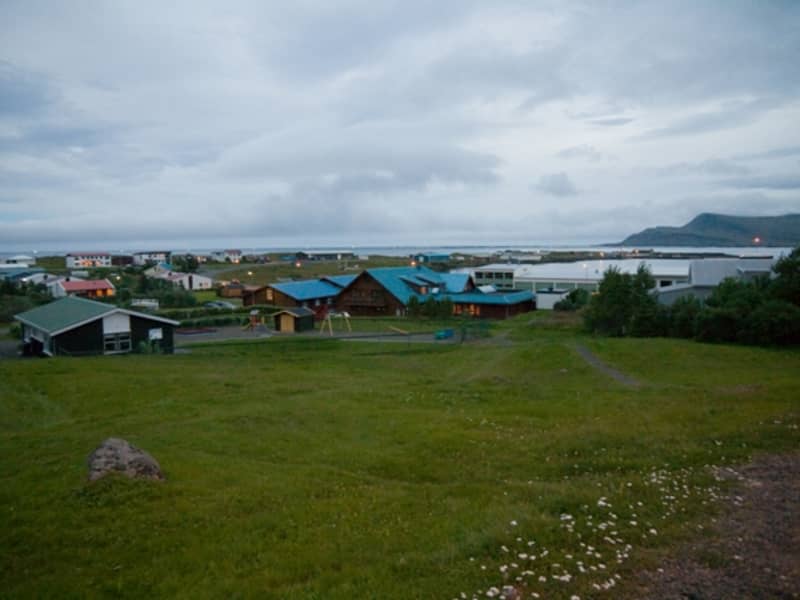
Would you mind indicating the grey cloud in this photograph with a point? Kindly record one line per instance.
(714, 166)
(22, 93)
(768, 182)
(556, 184)
(378, 155)
(731, 115)
(611, 121)
(583, 151)
(782, 152)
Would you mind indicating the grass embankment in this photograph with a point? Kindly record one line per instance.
(326, 469)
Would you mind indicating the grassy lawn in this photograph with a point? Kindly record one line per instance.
(330, 469)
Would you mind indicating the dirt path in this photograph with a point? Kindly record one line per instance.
(591, 358)
(752, 552)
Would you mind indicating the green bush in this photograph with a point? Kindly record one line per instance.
(683, 317)
(775, 322)
(575, 300)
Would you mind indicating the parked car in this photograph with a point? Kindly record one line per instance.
(219, 304)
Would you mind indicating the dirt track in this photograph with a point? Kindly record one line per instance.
(753, 550)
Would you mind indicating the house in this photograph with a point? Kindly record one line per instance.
(294, 320)
(141, 259)
(428, 258)
(188, 281)
(76, 326)
(318, 255)
(22, 260)
(231, 256)
(92, 288)
(122, 260)
(493, 305)
(316, 294)
(83, 260)
(19, 273)
(387, 291)
(158, 269)
(236, 289)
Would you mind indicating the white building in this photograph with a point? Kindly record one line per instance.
(577, 275)
(231, 256)
(187, 281)
(21, 260)
(706, 274)
(82, 260)
(146, 258)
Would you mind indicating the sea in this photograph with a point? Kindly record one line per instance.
(475, 250)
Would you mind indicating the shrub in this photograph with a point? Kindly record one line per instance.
(775, 322)
(683, 317)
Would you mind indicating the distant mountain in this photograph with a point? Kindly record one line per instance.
(708, 229)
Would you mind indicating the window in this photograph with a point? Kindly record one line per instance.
(269, 294)
(117, 342)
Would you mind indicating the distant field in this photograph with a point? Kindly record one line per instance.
(256, 274)
(328, 469)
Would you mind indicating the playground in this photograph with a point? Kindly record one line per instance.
(346, 327)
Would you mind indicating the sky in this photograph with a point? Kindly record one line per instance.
(135, 124)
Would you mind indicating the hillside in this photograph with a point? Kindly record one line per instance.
(708, 229)
(311, 468)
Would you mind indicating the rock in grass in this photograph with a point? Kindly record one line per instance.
(116, 455)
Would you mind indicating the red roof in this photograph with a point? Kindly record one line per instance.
(87, 286)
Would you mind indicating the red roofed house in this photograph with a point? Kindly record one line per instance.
(93, 288)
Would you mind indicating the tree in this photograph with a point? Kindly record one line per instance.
(609, 310)
(646, 318)
(186, 263)
(683, 317)
(414, 309)
(575, 300)
(786, 284)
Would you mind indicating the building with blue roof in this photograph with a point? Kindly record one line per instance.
(319, 295)
(387, 291)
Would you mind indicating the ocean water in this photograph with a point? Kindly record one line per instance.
(477, 250)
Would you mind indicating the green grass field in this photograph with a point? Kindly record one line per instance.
(256, 274)
(313, 468)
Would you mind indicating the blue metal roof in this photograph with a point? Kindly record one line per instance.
(307, 290)
(398, 281)
(340, 280)
(455, 282)
(504, 299)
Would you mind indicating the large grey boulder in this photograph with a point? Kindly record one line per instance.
(116, 455)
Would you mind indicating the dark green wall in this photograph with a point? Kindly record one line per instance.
(86, 339)
(140, 333)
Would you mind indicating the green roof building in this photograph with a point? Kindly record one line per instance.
(75, 326)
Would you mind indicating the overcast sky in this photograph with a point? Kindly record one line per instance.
(371, 123)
